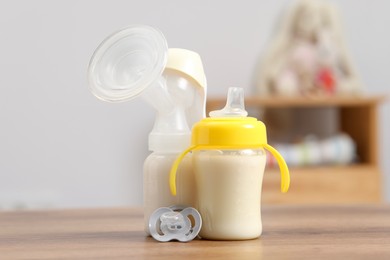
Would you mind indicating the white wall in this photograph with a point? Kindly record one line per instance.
(61, 147)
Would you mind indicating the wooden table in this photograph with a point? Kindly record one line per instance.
(290, 232)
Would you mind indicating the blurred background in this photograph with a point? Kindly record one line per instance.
(61, 147)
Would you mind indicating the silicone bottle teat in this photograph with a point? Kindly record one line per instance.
(235, 105)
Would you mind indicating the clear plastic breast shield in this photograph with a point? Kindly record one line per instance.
(135, 62)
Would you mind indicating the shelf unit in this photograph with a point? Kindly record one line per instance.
(356, 183)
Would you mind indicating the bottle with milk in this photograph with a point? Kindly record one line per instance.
(228, 158)
(136, 61)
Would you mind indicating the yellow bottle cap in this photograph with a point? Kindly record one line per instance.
(229, 132)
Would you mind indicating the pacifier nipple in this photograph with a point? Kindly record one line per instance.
(172, 222)
(235, 105)
(166, 224)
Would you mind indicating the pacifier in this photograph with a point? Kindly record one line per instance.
(175, 223)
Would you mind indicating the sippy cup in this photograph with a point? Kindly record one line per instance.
(228, 158)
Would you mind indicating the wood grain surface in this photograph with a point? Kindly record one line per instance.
(289, 232)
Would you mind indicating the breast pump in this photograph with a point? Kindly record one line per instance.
(136, 62)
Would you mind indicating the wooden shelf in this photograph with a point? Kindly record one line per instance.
(358, 183)
(284, 102)
(325, 185)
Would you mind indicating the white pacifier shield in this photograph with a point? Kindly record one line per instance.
(166, 224)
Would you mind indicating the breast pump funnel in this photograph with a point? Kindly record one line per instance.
(136, 62)
(126, 63)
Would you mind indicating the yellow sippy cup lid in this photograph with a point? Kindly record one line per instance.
(229, 132)
(230, 128)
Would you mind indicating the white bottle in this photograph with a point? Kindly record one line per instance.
(171, 133)
(156, 187)
(135, 62)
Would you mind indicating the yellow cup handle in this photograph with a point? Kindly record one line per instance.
(175, 166)
(284, 172)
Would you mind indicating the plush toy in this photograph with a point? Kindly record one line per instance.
(308, 55)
